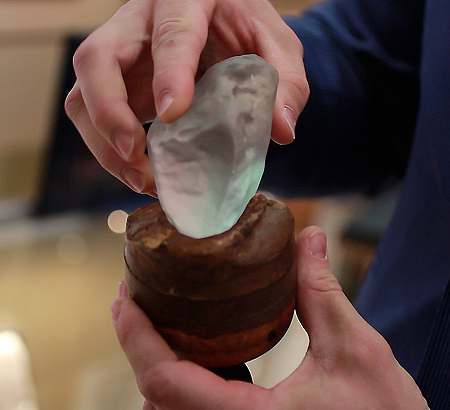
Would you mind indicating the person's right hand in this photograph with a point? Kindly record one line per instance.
(145, 60)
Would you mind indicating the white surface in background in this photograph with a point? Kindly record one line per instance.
(279, 362)
(17, 391)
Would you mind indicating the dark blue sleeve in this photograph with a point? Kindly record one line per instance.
(362, 61)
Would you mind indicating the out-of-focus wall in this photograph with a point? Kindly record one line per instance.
(31, 33)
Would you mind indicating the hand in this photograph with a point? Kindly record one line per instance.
(348, 364)
(146, 58)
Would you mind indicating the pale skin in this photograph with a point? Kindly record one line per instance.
(348, 365)
(144, 61)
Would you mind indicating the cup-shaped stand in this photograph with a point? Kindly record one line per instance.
(217, 301)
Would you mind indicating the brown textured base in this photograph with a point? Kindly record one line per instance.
(217, 301)
(228, 349)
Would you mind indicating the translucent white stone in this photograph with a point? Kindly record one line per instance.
(208, 164)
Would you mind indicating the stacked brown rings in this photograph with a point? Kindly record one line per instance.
(221, 300)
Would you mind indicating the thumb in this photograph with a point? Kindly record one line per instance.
(322, 307)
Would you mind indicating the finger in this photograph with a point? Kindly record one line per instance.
(141, 343)
(292, 95)
(136, 173)
(122, 288)
(170, 384)
(100, 80)
(148, 406)
(100, 63)
(345, 354)
(179, 36)
(284, 51)
(323, 309)
(184, 385)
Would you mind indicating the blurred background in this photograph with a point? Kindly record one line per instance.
(62, 219)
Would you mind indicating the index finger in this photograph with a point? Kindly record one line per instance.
(171, 384)
(99, 63)
(141, 343)
(105, 98)
(179, 36)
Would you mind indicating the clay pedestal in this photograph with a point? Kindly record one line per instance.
(221, 300)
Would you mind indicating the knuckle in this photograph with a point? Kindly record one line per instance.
(81, 54)
(84, 52)
(297, 81)
(324, 282)
(73, 104)
(303, 87)
(174, 31)
(372, 352)
(295, 74)
(156, 384)
(164, 33)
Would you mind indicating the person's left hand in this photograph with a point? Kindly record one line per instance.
(348, 364)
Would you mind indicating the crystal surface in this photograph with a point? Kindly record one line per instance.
(208, 164)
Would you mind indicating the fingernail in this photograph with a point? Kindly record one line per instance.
(154, 193)
(125, 145)
(116, 306)
(135, 179)
(121, 289)
(289, 116)
(165, 102)
(317, 243)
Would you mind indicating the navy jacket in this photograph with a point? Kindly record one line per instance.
(379, 72)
